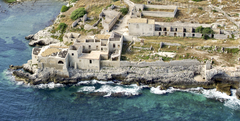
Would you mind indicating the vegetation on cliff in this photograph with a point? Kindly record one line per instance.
(10, 1)
(78, 13)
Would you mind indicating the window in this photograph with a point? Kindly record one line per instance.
(102, 49)
(90, 61)
(60, 62)
(96, 47)
(72, 54)
(113, 45)
(89, 46)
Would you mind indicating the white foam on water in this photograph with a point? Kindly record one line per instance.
(158, 91)
(129, 90)
(94, 82)
(229, 101)
(50, 85)
(87, 89)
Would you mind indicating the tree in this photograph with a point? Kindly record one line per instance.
(199, 29)
(78, 13)
(124, 11)
(204, 31)
(62, 27)
(64, 8)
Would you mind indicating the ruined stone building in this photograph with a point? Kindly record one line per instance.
(148, 27)
(140, 10)
(109, 18)
(87, 53)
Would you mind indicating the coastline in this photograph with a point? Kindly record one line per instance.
(165, 77)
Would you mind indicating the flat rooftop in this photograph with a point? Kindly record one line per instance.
(101, 36)
(141, 20)
(95, 55)
(178, 24)
(54, 51)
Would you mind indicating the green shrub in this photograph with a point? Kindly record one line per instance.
(74, 1)
(124, 11)
(62, 27)
(197, 0)
(204, 31)
(10, 1)
(78, 13)
(64, 8)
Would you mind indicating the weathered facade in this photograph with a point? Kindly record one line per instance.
(109, 18)
(148, 27)
(89, 53)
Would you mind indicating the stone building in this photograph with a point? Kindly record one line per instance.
(109, 18)
(88, 53)
(154, 10)
(70, 37)
(148, 27)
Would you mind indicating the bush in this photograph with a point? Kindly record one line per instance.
(124, 11)
(204, 31)
(10, 1)
(78, 13)
(62, 27)
(64, 8)
(197, 0)
(74, 0)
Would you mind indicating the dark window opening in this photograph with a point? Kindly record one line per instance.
(184, 30)
(175, 29)
(160, 29)
(113, 45)
(193, 35)
(89, 46)
(184, 35)
(175, 34)
(90, 61)
(72, 54)
(164, 29)
(102, 49)
(159, 33)
(60, 62)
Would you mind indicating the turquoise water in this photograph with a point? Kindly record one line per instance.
(43, 102)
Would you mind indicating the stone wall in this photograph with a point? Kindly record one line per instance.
(186, 62)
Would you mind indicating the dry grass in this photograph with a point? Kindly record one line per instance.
(50, 51)
(187, 51)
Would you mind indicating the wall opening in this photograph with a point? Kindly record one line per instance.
(89, 46)
(72, 54)
(101, 49)
(113, 45)
(184, 35)
(83, 47)
(176, 29)
(175, 34)
(212, 35)
(60, 62)
(90, 61)
(193, 35)
(165, 29)
(159, 33)
(97, 47)
(160, 29)
(165, 33)
(184, 30)
(115, 59)
(193, 30)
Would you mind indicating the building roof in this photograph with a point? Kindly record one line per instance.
(94, 55)
(101, 36)
(137, 20)
(50, 51)
(36, 51)
(151, 21)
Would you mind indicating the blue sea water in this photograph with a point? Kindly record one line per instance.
(46, 103)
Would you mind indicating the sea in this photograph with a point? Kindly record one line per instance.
(90, 100)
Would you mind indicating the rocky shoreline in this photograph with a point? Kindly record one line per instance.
(181, 77)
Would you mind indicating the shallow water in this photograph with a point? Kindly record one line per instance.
(59, 102)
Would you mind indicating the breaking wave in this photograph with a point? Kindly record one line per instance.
(94, 82)
(229, 101)
(50, 85)
(110, 89)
